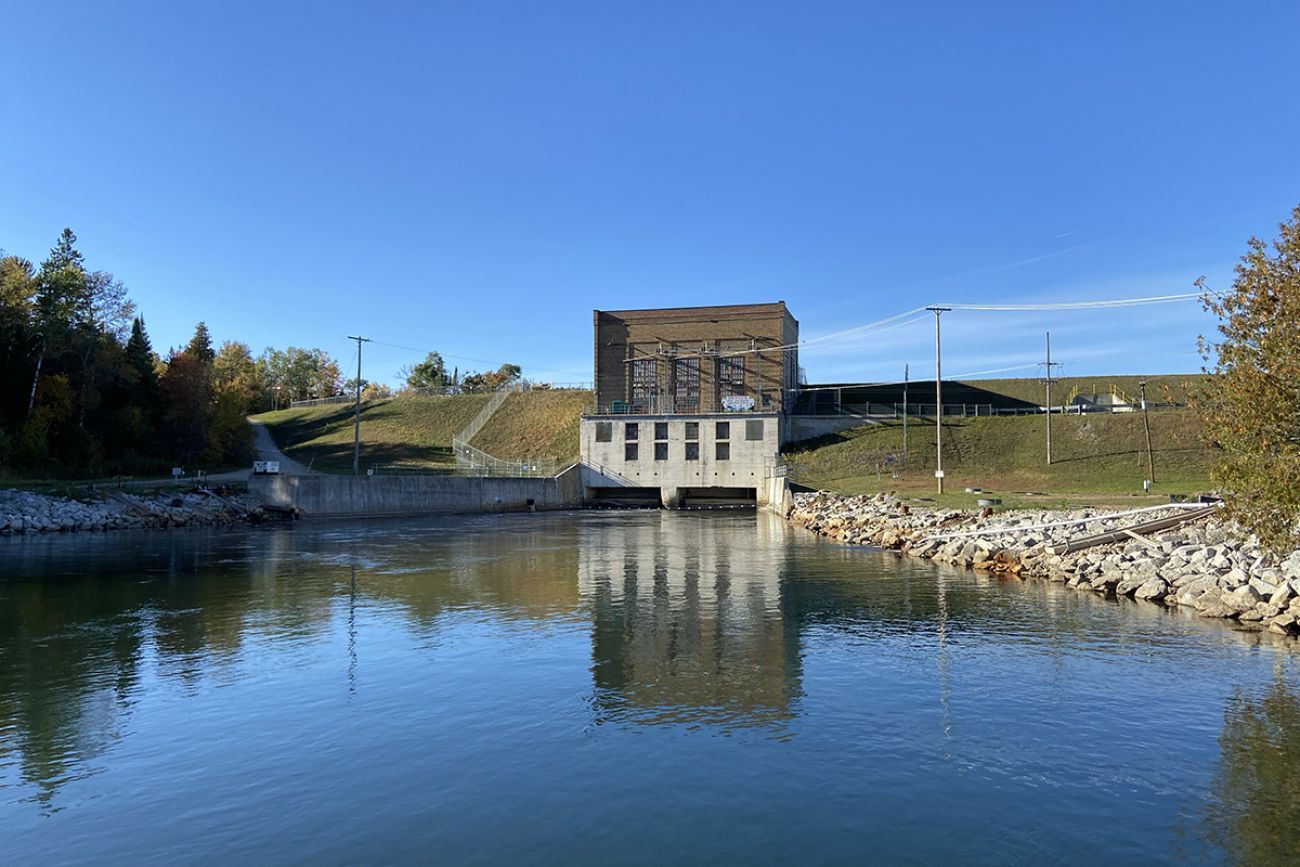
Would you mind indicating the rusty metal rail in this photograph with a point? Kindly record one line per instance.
(1126, 533)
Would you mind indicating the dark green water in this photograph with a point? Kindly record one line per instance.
(643, 688)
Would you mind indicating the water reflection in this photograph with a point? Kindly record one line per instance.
(632, 626)
(1254, 809)
(687, 621)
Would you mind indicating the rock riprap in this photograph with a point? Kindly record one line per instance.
(27, 512)
(1208, 566)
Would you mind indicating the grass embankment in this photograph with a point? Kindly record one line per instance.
(1164, 388)
(536, 425)
(1097, 458)
(411, 432)
(417, 432)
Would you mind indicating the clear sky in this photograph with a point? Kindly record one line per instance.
(476, 177)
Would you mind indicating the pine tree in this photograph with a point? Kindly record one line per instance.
(139, 352)
(200, 345)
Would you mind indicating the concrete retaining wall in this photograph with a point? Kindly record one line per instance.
(359, 496)
(806, 427)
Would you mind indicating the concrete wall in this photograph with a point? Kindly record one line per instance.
(748, 466)
(416, 495)
(806, 427)
(780, 499)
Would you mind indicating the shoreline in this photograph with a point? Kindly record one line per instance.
(27, 513)
(1204, 565)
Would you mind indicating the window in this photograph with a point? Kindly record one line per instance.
(754, 429)
(692, 451)
(661, 430)
(604, 431)
(629, 452)
(724, 430)
(631, 430)
(692, 430)
(661, 451)
(686, 385)
(644, 374)
(722, 451)
(731, 376)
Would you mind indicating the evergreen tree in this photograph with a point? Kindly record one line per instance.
(200, 345)
(140, 358)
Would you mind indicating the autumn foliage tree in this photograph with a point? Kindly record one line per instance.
(1251, 405)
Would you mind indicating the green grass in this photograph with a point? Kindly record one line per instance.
(414, 431)
(417, 431)
(1098, 458)
(536, 424)
(1165, 388)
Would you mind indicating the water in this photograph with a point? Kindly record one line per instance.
(640, 688)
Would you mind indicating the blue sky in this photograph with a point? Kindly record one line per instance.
(477, 177)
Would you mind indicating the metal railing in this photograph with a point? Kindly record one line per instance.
(472, 461)
(321, 401)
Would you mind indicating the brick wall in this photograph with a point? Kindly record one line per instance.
(675, 340)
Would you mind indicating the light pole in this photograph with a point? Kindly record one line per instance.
(356, 429)
(938, 398)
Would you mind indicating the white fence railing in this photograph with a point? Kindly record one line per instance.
(474, 461)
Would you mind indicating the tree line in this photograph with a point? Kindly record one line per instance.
(84, 393)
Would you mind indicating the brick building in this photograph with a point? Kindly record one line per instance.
(685, 360)
(691, 402)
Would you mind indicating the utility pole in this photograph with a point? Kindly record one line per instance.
(356, 428)
(1146, 425)
(938, 398)
(1047, 382)
(904, 415)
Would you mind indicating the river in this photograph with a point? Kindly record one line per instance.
(614, 687)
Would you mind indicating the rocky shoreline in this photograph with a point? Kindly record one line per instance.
(1206, 565)
(24, 512)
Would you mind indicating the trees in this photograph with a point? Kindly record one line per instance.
(296, 374)
(491, 380)
(429, 373)
(1251, 405)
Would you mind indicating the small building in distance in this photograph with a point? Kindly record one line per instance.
(691, 402)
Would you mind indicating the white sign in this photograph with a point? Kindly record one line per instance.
(737, 403)
(938, 474)
(266, 468)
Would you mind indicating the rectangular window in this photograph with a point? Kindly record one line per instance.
(604, 431)
(722, 451)
(629, 452)
(631, 430)
(661, 430)
(692, 451)
(692, 430)
(661, 451)
(731, 376)
(644, 374)
(724, 430)
(754, 429)
(686, 385)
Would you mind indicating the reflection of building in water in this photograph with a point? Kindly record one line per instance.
(687, 621)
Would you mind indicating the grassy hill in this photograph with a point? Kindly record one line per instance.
(415, 431)
(1098, 457)
(536, 424)
(1166, 388)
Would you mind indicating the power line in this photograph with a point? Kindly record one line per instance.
(1083, 305)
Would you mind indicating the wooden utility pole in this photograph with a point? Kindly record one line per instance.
(356, 429)
(1047, 383)
(1146, 425)
(938, 398)
(904, 415)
